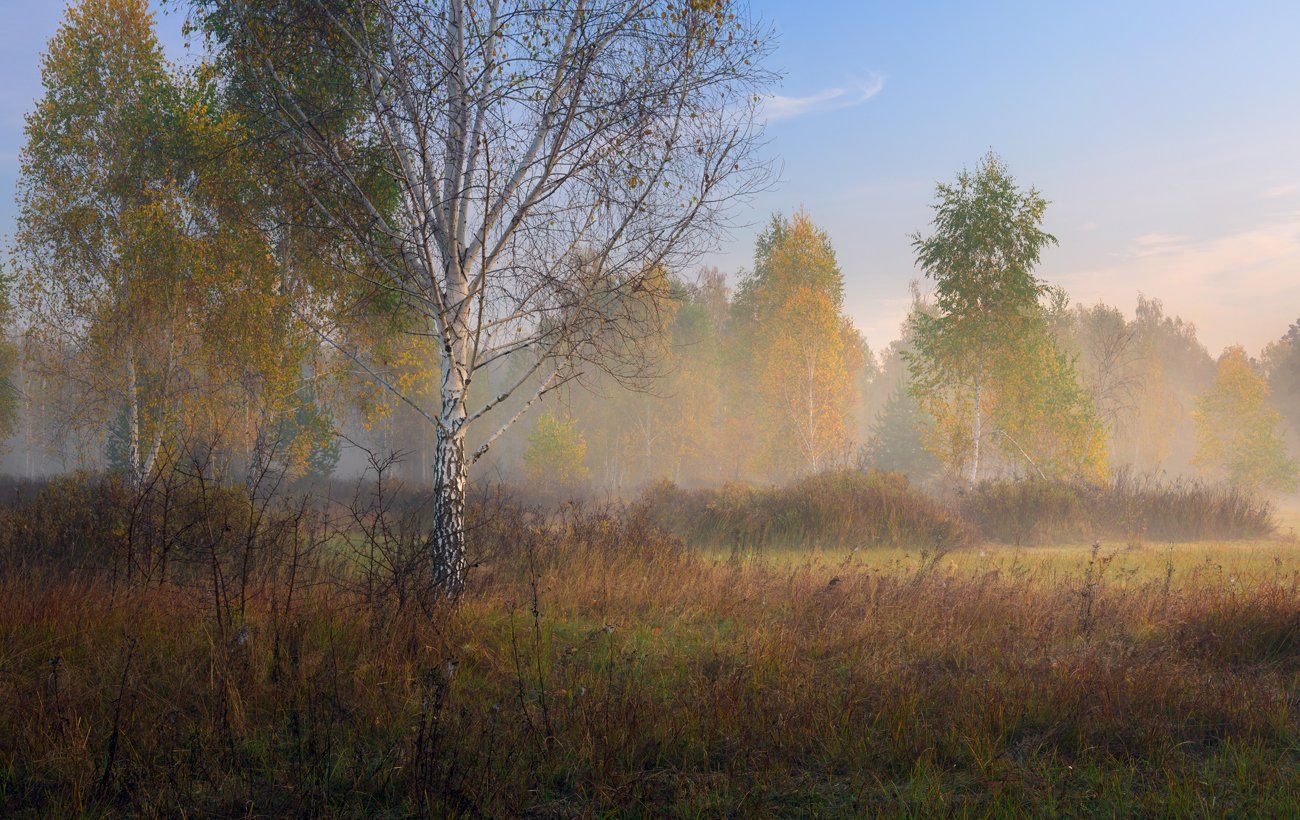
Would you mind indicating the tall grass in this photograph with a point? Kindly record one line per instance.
(597, 667)
(1127, 507)
(850, 508)
(847, 508)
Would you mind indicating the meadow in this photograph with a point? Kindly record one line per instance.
(600, 666)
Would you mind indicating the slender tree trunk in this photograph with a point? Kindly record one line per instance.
(450, 469)
(448, 543)
(813, 461)
(133, 419)
(977, 435)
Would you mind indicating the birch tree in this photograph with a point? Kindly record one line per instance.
(986, 365)
(150, 303)
(86, 210)
(1238, 431)
(801, 352)
(518, 172)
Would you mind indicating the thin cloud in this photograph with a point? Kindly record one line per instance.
(778, 107)
(1158, 244)
(1241, 287)
(1283, 191)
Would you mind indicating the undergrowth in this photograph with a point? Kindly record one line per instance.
(864, 509)
(1125, 507)
(846, 508)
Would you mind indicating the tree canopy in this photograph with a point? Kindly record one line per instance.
(986, 365)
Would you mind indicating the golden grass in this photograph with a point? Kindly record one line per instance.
(1131, 561)
(211, 656)
(598, 668)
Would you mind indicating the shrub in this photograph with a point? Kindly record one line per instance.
(1032, 511)
(847, 508)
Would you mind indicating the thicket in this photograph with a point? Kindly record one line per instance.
(866, 508)
(837, 509)
(1127, 507)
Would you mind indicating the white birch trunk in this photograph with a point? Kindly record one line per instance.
(133, 419)
(450, 468)
(448, 542)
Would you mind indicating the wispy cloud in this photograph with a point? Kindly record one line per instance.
(1241, 287)
(1158, 244)
(779, 107)
(1283, 191)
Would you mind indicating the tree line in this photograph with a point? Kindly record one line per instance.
(995, 374)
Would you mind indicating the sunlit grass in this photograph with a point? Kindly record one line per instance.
(1136, 561)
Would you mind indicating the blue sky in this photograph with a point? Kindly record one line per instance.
(1166, 135)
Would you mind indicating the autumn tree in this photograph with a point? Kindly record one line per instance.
(802, 353)
(698, 387)
(986, 366)
(1237, 429)
(538, 166)
(1044, 417)
(93, 206)
(1172, 369)
(152, 302)
(556, 453)
(665, 427)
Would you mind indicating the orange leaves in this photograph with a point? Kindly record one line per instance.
(805, 361)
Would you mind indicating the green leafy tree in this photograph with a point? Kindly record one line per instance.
(556, 453)
(1237, 429)
(155, 275)
(986, 365)
(93, 202)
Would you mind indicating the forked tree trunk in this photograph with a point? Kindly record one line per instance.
(448, 537)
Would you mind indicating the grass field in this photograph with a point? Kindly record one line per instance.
(598, 668)
(1132, 562)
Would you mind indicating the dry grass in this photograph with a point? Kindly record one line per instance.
(1126, 507)
(599, 668)
(874, 510)
(842, 508)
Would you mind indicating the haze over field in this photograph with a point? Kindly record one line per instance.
(638, 408)
(1172, 160)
